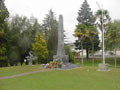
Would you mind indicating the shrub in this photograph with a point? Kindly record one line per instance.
(70, 54)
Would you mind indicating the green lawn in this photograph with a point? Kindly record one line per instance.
(84, 78)
(109, 61)
(8, 71)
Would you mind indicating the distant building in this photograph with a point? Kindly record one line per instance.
(118, 51)
(77, 53)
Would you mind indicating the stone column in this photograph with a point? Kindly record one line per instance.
(60, 50)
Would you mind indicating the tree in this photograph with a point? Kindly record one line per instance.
(106, 18)
(16, 36)
(81, 32)
(39, 48)
(21, 35)
(4, 14)
(86, 17)
(113, 34)
(70, 53)
(92, 34)
(50, 33)
(14, 55)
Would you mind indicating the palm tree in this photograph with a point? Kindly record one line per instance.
(113, 37)
(81, 32)
(106, 18)
(92, 34)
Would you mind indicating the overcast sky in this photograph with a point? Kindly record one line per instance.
(68, 8)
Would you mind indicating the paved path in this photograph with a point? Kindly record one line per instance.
(23, 74)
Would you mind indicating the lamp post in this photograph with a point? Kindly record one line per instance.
(103, 66)
(102, 27)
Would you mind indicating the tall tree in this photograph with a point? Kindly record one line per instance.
(92, 35)
(17, 26)
(113, 34)
(81, 32)
(86, 17)
(21, 35)
(50, 32)
(4, 14)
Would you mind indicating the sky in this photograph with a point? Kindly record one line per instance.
(68, 8)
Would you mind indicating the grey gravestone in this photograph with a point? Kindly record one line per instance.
(60, 50)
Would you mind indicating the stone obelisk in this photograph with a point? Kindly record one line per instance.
(60, 49)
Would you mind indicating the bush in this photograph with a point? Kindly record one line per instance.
(70, 54)
(39, 48)
(3, 63)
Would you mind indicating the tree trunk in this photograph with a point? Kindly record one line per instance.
(115, 59)
(93, 53)
(82, 52)
(87, 53)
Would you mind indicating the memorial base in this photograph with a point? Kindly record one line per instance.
(62, 58)
(103, 67)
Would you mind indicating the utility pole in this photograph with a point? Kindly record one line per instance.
(102, 27)
(103, 66)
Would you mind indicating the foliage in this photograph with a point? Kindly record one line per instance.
(106, 18)
(3, 53)
(14, 55)
(3, 56)
(81, 31)
(40, 48)
(19, 32)
(112, 35)
(21, 35)
(88, 33)
(70, 54)
(92, 33)
(4, 14)
(50, 33)
(86, 17)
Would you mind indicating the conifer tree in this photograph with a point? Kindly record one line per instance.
(40, 48)
(3, 27)
(86, 17)
(50, 32)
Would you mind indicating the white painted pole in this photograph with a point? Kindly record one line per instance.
(103, 47)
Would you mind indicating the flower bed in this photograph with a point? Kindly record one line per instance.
(54, 64)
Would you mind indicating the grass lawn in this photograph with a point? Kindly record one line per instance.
(83, 78)
(8, 71)
(109, 61)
